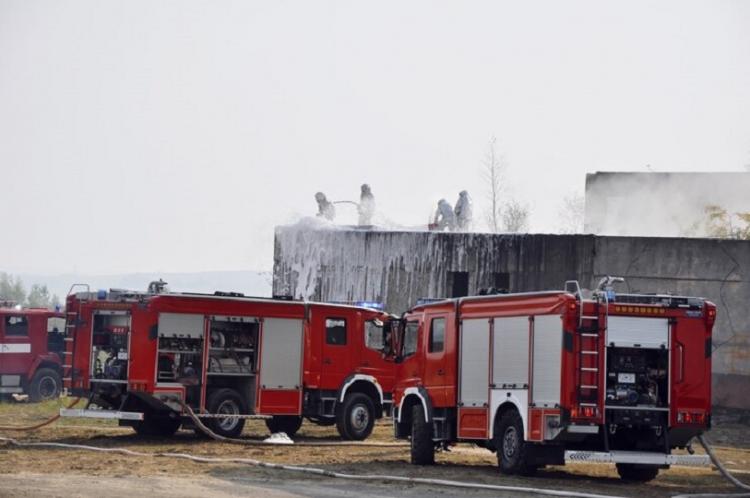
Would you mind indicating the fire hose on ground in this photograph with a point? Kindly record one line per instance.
(367, 477)
(724, 472)
(378, 478)
(39, 425)
(249, 442)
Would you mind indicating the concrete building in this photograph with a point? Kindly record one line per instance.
(661, 204)
(397, 268)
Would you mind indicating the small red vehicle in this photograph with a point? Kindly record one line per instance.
(543, 377)
(31, 352)
(228, 357)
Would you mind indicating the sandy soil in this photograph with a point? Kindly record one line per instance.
(465, 462)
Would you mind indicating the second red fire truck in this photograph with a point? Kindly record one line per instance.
(138, 356)
(543, 377)
(32, 352)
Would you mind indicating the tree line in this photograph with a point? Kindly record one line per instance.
(12, 290)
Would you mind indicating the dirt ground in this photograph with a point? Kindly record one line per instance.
(52, 472)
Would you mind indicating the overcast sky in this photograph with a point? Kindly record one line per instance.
(173, 136)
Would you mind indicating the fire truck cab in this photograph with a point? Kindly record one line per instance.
(541, 378)
(228, 357)
(31, 352)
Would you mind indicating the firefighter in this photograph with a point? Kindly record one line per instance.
(325, 208)
(366, 207)
(463, 211)
(444, 217)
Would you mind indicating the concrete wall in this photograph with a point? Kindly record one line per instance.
(397, 268)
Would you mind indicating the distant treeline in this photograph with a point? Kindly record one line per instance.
(12, 289)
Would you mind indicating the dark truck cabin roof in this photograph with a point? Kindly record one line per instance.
(527, 302)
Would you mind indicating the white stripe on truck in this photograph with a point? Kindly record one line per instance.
(15, 348)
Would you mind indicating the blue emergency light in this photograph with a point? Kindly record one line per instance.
(369, 304)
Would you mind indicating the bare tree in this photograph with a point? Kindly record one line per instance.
(493, 175)
(571, 213)
(515, 217)
(725, 225)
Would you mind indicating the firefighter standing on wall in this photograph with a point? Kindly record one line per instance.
(444, 217)
(366, 207)
(463, 211)
(325, 207)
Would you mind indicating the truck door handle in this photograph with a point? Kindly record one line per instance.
(326, 361)
(441, 371)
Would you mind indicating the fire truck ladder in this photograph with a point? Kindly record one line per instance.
(71, 320)
(589, 363)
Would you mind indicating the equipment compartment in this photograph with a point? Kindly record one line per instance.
(109, 351)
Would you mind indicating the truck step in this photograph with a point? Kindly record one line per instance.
(641, 457)
(104, 414)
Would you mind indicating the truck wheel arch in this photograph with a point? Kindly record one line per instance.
(365, 384)
(43, 362)
(512, 403)
(412, 396)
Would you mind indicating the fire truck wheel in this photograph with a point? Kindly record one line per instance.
(45, 385)
(510, 444)
(226, 402)
(637, 473)
(284, 423)
(356, 417)
(152, 426)
(422, 447)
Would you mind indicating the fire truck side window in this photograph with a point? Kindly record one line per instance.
(437, 335)
(410, 338)
(16, 326)
(374, 335)
(336, 331)
(55, 325)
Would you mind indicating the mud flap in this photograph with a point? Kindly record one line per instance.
(545, 454)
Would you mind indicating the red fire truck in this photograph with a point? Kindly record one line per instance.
(543, 377)
(228, 357)
(31, 352)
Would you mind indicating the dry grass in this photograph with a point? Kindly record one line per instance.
(465, 462)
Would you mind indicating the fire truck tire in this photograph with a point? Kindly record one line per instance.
(45, 385)
(422, 447)
(356, 417)
(289, 424)
(637, 473)
(152, 426)
(511, 446)
(229, 402)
